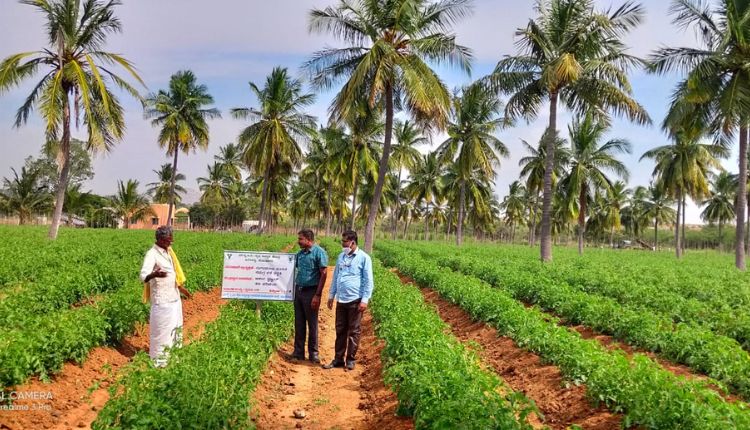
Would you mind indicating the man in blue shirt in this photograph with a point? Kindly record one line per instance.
(309, 280)
(352, 287)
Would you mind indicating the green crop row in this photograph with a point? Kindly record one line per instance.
(717, 356)
(44, 343)
(687, 291)
(647, 394)
(207, 384)
(438, 382)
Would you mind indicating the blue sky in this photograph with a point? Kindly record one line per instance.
(232, 42)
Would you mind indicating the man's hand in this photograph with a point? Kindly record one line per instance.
(157, 273)
(330, 303)
(362, 306)
(315, 303)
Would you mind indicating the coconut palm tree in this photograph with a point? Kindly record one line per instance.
(632, 215)
(532, 168)
(471, 144)
(658, 207)
(390, 47)
(682, 169)
(128, 204)
(322, 163)
(359, 151)
(716, 80)
(76, 82)
(78, 202)
(404, 156)
(514, 206)
(270, 144)
(615, 200)
(160, 190)
(230, 158)
(182, 113)
(589, 163)
(574, 55)
(23, 195)
(720, 203)
(426, 184)
(215, 186)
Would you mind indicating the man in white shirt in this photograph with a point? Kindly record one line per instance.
(165, 322)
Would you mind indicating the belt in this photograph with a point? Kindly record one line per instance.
(302, 287)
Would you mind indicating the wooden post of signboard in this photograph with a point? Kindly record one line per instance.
(258, 306)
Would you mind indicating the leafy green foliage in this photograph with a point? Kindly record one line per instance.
(438, 381)
(98, 265)
(648, 395)
(208, 383)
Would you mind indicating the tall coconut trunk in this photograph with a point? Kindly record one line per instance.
(549, 165)
(354, 202)
(171, 185)
(739, 255)
(406, 227)
(532, 231)
(328, 209)
(427, 221)
(382, 169)
(461, 203)
(656, 234)
(581, 219)
(677, 241)
(747, 227)
(684, 209)
(398, 205)
(64, 168)
(721, 237)
(263, 197)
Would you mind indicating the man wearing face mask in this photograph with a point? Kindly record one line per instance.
(352, 287)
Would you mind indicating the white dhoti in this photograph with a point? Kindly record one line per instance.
(165, 330)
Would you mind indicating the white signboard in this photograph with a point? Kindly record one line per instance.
(258, 276)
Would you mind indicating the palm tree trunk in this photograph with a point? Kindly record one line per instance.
(382, 170)
(747, 227)
(656, 234)
(354, 203)
(328, 209)
(549, 165)
(739, 256)
(533, 227)
(612, 237)
(263, 193)
(171, 186)
(677, 241)
(684, 209)
(406, 227)
(460, 224)
(398, 205)
(62, 182)
(721, 241)
(581, 219)
(427, 221)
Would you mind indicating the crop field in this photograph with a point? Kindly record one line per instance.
(481, 337)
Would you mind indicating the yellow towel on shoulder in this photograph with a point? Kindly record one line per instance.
(179, 276)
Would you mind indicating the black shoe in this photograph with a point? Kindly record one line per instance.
(315, 359)
(294, 357)
(350, 365)
(334, 363)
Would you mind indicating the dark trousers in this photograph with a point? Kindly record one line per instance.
(348, 319)
(305, 317)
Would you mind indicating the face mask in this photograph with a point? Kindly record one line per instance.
(346, 249)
